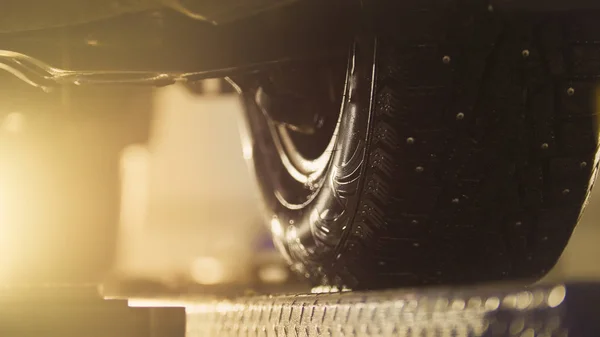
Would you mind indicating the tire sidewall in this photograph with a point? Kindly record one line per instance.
(311, 235)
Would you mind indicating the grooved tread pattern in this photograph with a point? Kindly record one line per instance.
(483, 147)
(390, 313)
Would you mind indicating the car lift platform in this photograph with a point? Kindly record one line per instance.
(524, 311)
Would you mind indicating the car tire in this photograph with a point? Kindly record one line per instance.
(465, 152)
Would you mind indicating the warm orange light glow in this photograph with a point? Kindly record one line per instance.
(13, 122)
(154, 303)
(207, 270)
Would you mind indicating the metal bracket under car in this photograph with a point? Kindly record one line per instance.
(161, 47)
(159, 42)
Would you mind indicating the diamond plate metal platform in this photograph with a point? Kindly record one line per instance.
(543, 311)
(537, 311)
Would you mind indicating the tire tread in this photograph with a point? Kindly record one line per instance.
(493, 181)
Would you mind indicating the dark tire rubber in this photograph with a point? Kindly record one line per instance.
(470, 157)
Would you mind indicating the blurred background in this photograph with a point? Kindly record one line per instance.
(131, 183)
(148, 183)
